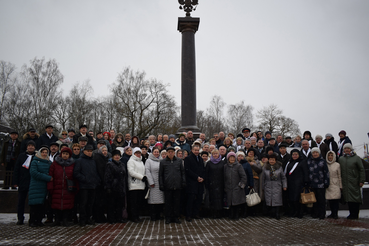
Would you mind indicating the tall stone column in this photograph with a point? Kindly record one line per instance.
(188, 27)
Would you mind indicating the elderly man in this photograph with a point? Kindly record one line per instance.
(47, 138)
(9, 154)
(112, 134)
(305, 150)
(127, 140)
(223, 152)
(220, 139)
(30, 135)
(246, 133)
(202, 137)
(260, 148)
(83, 133)
(190, 138)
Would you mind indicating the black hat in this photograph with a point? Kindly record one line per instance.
(288, 137)
(308, 133)
(274, 155)
(32, 130)
(271, 138)
(82, 138)
(54, 143)
(116, 152)
(31, 142)
(268, 149)
(204, 153)
(99, 133)
(63, 145)
(252, 150)
(89, 147)
(83, 125)
(170, 148)
(101, 142)
(143, 147)
(71, 130)
(267, 132)
(14, 132)
(49, 125)
(282, 145)
(245, 130)
(263, 156)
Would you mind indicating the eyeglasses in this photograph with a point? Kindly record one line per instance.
(75, 149)
(64, 134)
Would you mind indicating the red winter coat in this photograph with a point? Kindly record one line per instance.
(62, 199)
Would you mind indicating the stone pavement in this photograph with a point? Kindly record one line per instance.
(250, 231)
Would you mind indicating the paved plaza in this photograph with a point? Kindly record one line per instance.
(250, 231)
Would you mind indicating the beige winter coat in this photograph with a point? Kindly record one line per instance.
(335, 183)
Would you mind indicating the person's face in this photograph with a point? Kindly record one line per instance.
(272, 161)
(211, 148)
(231, 159)
(134, 140)
(289, 141)
(270, 152)
(83, 130)
(248, 144)
(272, 142)
(251, 153)
(330, 157)
(213, 142)
(264, 159)
(152, 140)
(147, 144)
(127, 137)
(32, 134)
(305, 145)
(230, 136)
(156, 153)
(347, 150)
(54, 148)
(112, 133)
(116, 158)
(49, 130)
(342, 135)
(195, 150)
(91, 134)
(172, 140)
(328, 137)
(99, 136)
(295, 155)
(30, 148)
(88, 152)
(255, 135)
(179, 154)
(64, 135)
(306, 136)
(246, 134)
(65, 156)
(216, 136)
(298, 139)
(227, 142)
(144, 151)
(315, 154)
(165, 138)
(221, 135)
(260, 144)
(216, 155)
(318, 140)
(239, 158)
(71, 134)
(138, 153)
(239, 141)
(82, 144)
(129, 151)
(182, 138)
(13, 136)
(279, 139)
(202, 137)
(185, 154)
(283, 150)
(253, 141)
(260, 135)
(164, 155)
(268, 136)
(106, 137)
(204, 157)
(105, 151)
(99, 145)
(206, 148)
(222, 150)
(119, 139)
(190, 134)
(44, 153)
(160, 138)
(76, 150)
(171, 154)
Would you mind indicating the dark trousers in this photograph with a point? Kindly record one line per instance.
(155, 210)
(354, 208)
(235, 211)
(193, 204)
(9, 173)
(136, 199)
(172, 203)
(100, 205)
(22, 196)
(319, 206)
(62, 215)
(87, 199)
(296, 209)
(115, 207)
(48, 210)
(334, 204)
(36, 214)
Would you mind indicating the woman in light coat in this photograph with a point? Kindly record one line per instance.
(136, 183)
(274, 182)
(333, 192)
(156, 197)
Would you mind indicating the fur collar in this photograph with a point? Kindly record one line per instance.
(277, 165)
(25, 136)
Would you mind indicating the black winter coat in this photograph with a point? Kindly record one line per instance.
(21, 175)
(284, 160)
(297, 179)
(171, 174)
(101, 162)
(45, 140)
(215, 184)
(115, 178)
(86, 173)
(332, 145)
(194, 169)
(4, 151)
(90, 140)
(26, 139)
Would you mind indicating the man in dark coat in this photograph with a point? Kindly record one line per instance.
(195, 175)
(22, 177)
(283, 156)
(305, 150)
(9, 155)
(47, 138)
(30, 135)
(83, 132)
(86, 173)
(190, 138)
(322, 146)
(329, 141)
(172, 180)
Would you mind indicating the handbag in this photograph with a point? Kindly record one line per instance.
(307, 196)
(71, 186)
(253, 198)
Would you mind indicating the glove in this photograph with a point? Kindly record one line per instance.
(144, 179)
(161, 188)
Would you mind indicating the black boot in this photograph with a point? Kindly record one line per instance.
(277, 215)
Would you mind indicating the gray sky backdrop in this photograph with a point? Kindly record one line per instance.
(311, 58)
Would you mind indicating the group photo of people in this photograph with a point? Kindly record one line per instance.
(85, 177)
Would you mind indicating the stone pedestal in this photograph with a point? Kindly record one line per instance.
(188, 27)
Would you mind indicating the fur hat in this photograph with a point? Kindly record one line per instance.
(115, 152)
(308, 133)
(231, 154)
(137, 149)
(348, 145)
(31, 142)
(315, 149)
(328, 135)
(66, 149)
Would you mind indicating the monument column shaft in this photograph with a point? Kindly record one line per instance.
(188, 27)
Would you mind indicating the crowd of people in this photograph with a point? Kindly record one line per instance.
(112, 177)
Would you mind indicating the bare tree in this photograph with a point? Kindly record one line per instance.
(239, 116)
(215, 114)
(288, 126)
(7, 79)
(269, 118)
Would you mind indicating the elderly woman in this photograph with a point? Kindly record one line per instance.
(227, 142)
(107, 137)
(135, 142)
(353, 178)
(234, 183)
(215, 183)
(333, 192)
(62, 200)
(136, 183)
(163, 154)
(63, 139)
(156, 197)
(118, 141)
(39, 171)
(274, 182)
(76, 149)
(240, 155)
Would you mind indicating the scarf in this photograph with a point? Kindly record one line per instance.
(28, 161)
(306, 153)
(11, 151)
(273, 175)
(349, 154)
(293, 168)
(340, 145)
(217, 160)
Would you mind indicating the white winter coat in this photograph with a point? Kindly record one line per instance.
(152, 173)
(335, 182)
(136, 172)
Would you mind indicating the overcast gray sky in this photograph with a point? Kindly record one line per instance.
(311, 58)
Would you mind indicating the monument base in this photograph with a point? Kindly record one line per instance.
(195, 130)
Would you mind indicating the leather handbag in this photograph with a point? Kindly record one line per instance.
(71, 186)
(253, 198)
(307, 196)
